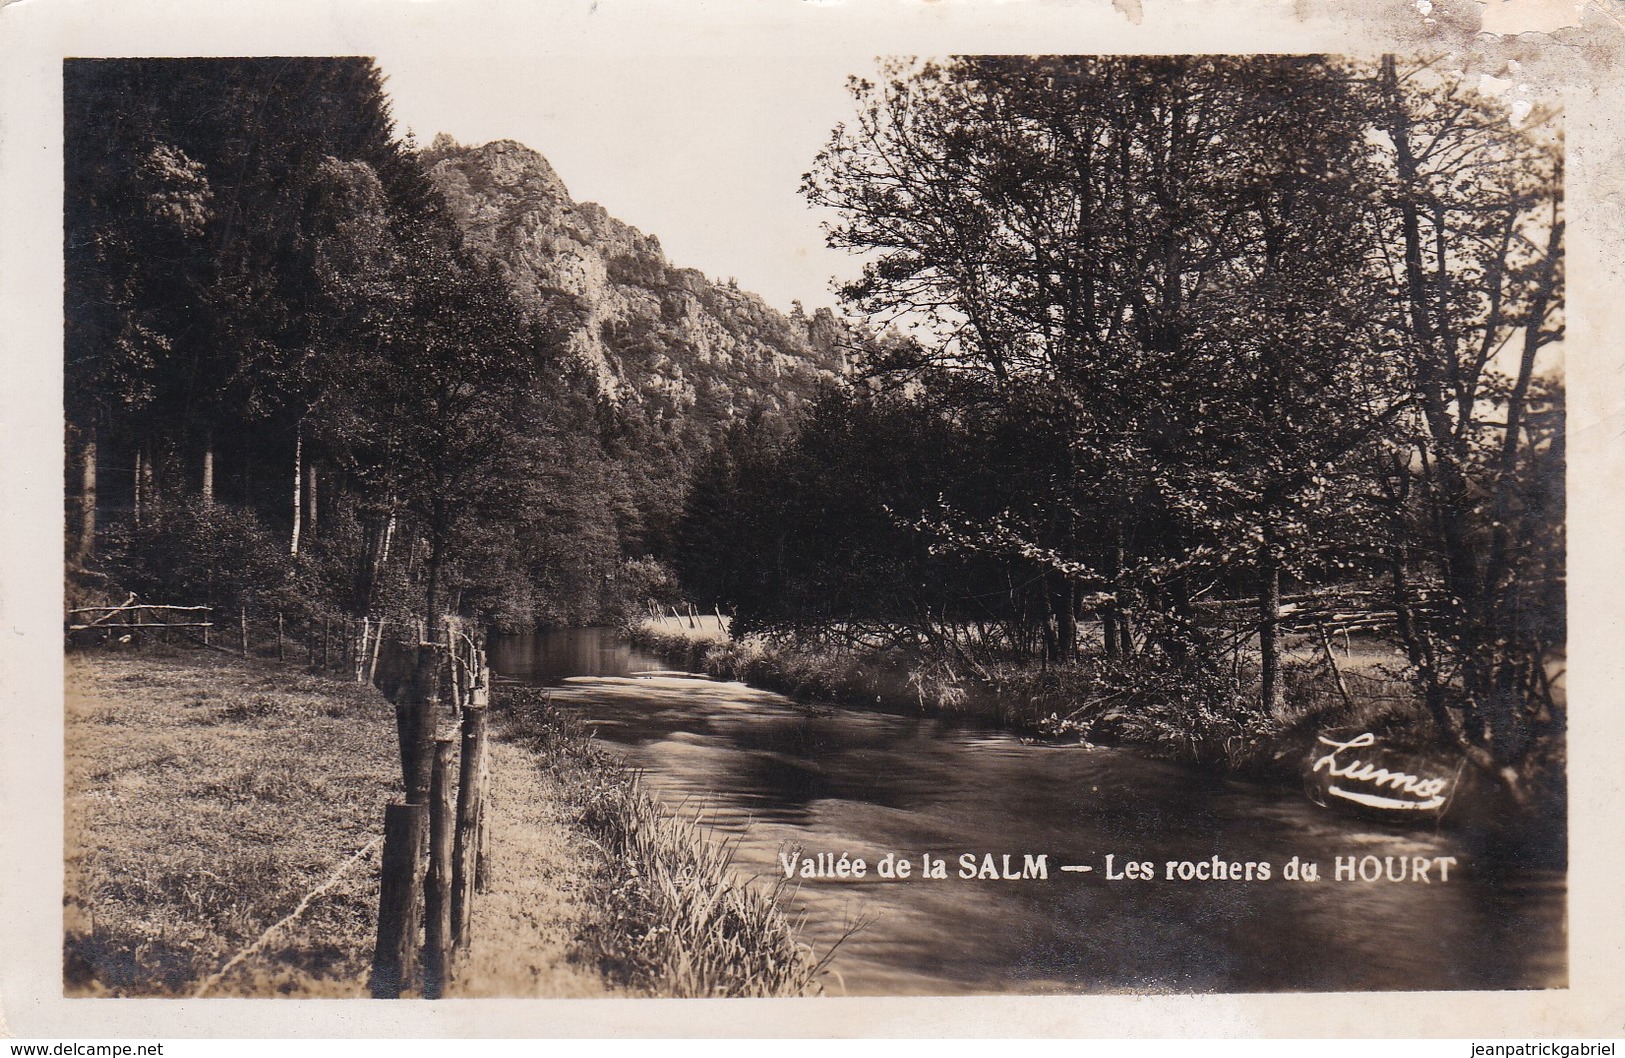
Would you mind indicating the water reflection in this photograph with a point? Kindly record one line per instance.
(777, 775)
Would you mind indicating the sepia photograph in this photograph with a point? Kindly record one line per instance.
(866, 522)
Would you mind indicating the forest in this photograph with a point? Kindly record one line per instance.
(294, 386)
(1157, 367)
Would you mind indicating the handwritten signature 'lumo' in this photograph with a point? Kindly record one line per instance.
(1422, 794)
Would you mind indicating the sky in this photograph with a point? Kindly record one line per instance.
(706, 152)
(694, 120)
(699, 139)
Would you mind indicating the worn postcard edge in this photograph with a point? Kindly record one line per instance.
(1573, 48)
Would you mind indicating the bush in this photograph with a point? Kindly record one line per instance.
(192, 553)
(1194, 713)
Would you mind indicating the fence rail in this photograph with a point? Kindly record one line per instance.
(133, 618)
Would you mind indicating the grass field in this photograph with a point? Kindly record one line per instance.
(222, 825)
(206, 796)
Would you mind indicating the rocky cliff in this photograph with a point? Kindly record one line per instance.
(662, 341)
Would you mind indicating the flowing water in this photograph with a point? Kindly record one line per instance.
(777, 776)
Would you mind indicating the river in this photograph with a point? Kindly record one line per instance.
(774, 776)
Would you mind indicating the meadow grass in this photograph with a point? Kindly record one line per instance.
(205, 797)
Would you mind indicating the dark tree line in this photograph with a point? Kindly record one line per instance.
(286, 378)
(1169, 334)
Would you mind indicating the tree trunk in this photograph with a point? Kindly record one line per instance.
(389, 537)
(87, 499)
(1533, 340)
(1115, 623)
(310, 499)
(1442, 447)
(1066, 622)
(1269, 626)
(379, 535)
(208, 469)
(149, 487)
(431, 593)
(1125, 627)
(135, 503)
(298, 485)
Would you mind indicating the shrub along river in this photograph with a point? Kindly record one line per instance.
(787, 781)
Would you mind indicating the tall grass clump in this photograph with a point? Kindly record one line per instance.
(694, 928)
(688, 647)
(890, 678)
(675, 918)
(1192, 714)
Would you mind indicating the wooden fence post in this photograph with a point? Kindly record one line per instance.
(470, 806)
(482, 782)
(416, 707)
(281, 655)
(482, 852)
(437, 940)
(394, 959)
(455, 666)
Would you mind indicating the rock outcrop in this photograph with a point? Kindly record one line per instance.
(663, 341)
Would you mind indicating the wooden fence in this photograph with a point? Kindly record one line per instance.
(130, 620)
(1337, 611)
(433, 838)
(332, 642)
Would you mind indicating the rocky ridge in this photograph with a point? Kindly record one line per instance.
(662, 339)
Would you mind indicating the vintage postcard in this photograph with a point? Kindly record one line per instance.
(914, 518)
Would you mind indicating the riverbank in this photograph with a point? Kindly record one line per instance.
(1354, 686)
(673, 919)
(1087, 701)
(222, 825)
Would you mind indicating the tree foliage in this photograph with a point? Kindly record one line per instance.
(1183, 329)
(265, 288)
